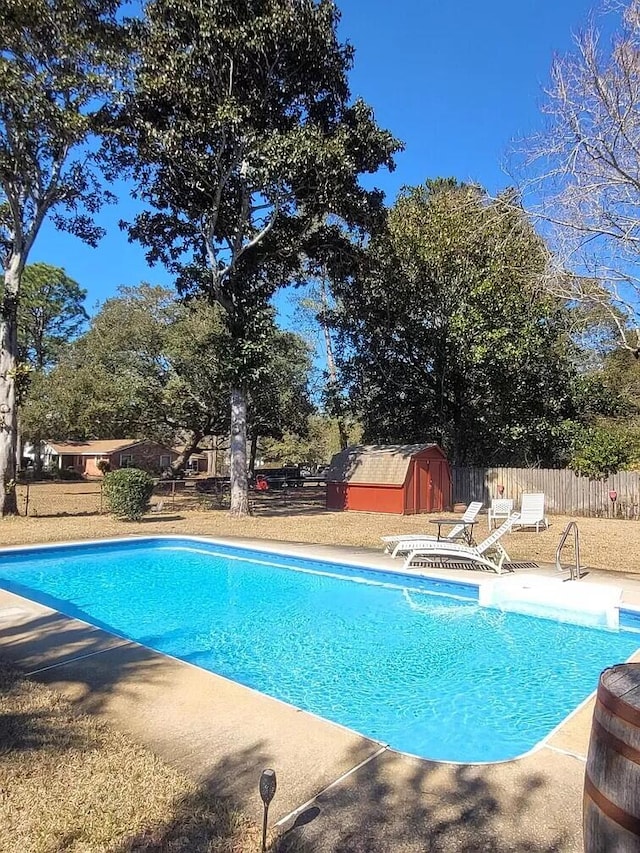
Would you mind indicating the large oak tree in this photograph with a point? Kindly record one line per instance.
(447, 334)
(243, 139)
(57, 77)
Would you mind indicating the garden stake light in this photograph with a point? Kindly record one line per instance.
(267, 793)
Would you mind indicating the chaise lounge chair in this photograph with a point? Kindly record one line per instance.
(532, 511)
(402, 543)
(442, 551)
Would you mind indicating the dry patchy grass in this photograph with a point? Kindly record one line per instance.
(70, 511)
(69, 782)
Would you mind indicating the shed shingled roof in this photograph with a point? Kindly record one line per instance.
(385, 464)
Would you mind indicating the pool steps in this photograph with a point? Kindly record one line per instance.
(587, 604)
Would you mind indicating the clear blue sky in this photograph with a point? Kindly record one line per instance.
(456, 81)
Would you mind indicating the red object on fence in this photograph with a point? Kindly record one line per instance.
(262, 484)
(613, 494)
(501, 490)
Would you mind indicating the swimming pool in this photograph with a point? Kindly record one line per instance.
(412, 662)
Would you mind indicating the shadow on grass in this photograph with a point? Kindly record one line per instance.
(209, 820)
(33, 513)
(272, 504)
(25, 726)
(159, 516)
(291, 502)
(204, 818)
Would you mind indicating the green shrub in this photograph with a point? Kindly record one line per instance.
(128, 492)
(598, 452)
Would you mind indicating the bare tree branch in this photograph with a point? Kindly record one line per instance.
(580, 176)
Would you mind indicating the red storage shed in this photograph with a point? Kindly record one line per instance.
(400, 478)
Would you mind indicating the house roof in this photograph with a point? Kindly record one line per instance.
(386, 464)
(99, 447)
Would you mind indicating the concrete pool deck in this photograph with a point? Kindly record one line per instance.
(337, 790)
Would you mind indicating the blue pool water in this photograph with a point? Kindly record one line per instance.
(413, 663)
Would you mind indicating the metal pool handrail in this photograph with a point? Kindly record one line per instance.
(572, 525)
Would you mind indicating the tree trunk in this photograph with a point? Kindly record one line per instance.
(331, 367)
(239, 486)
(8, 407)
(212, 457)
(342, 430)
(252, 453)
(37, 455)
(19, 445)
(189, 449)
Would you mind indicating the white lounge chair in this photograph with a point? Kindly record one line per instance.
(400, 544)
(445, 551)
(532, 511)
(500, 508)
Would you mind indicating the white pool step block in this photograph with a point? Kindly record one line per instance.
(554, 598)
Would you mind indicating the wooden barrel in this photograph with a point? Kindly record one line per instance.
(611, 802)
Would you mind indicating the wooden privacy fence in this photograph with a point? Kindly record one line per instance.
(565, 493)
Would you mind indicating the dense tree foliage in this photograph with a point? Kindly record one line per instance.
(315, 445)
(51, 314)
(153, 367)
(243, 140)
(57, 76)
(608, 402)
(446, 334)
(598, 452)
(280, 403)
(111, 382)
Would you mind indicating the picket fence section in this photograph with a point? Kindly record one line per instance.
(566, 494)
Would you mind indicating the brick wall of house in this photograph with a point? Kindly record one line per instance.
(147, 456)
(89, 466)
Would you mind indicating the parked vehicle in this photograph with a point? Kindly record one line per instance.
(278, 478)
